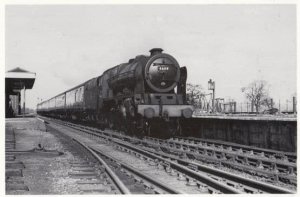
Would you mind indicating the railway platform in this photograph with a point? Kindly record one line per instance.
(34, 160)
(264, 131)
(262, 117)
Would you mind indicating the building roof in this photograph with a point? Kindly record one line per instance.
(19, 73)
(18, 78)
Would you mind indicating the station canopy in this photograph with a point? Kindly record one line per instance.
(18, 78)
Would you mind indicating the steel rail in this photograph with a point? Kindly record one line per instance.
(290, 167)
(122, 188)
(117, 181)
(143, 176)
(248, 182)
(260, 185)
(254, 157)
(163, 144)
(292, 155)
(225, 162)
(171, 144)
(200, 154)
(203, 178)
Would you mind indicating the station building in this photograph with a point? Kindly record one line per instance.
(17, 80)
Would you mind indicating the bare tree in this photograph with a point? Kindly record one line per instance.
(268, 102)
(256, 92)
(194, 92)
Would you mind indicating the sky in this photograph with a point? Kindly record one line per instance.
(234, 45)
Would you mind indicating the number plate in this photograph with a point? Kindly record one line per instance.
(162, 68)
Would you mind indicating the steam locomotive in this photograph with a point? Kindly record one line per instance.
(145, 96)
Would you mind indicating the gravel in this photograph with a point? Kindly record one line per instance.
(44, 172)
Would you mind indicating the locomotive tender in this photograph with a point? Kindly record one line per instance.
(146, 95)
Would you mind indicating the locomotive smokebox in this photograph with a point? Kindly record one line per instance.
(155, 51)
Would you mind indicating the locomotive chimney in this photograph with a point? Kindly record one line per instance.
(155, 51)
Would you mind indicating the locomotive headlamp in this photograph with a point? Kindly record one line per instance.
(163, 83)
(187, 113)
(149, 112)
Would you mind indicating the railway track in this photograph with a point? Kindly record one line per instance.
(117, 182)
(255, 151)
(229, 156)
(124, 177)
(88, 173)
(207, 185)
(204, 177)
(127, 179)
(239, 157)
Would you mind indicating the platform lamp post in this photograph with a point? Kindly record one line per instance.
(211, 86)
